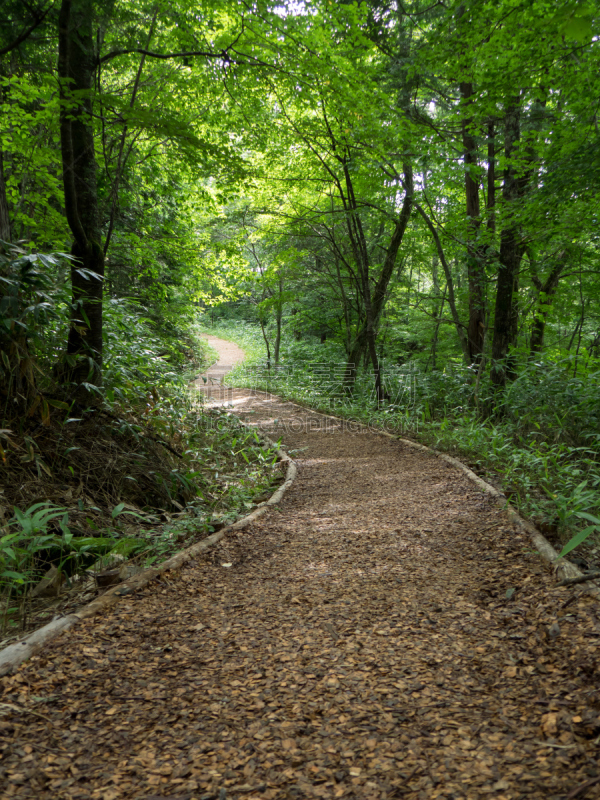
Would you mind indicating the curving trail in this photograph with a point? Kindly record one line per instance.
(229, 355)
(360, 645)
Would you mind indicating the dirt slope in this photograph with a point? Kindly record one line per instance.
(356, 642)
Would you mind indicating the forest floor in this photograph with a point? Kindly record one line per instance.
(357, 641)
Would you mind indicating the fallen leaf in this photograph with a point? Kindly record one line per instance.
(549, 726)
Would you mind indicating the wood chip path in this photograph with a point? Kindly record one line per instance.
(360, 645)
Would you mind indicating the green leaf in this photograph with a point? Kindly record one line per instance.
(579, 537)
(588, 517)
(16, 576)
(57, 403)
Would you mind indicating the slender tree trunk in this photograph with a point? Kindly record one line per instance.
(277, 337)
(511, 360)
(436, 331)
(278, 317)
(449, 285)
(545, 294)
(345, 306)
(266, 338)
(511, 253)
(581, 321)
(373, 302)
(372, 337)
(476, 252)
(491, 178)
(381, 287)
(76, 61)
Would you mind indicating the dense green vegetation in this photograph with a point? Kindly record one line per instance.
(405, 191)
(137, 472)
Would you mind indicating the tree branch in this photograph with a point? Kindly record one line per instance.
(38, 18)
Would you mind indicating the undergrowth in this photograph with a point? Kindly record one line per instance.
(138, 473)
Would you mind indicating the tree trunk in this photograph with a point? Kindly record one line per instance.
(389, 264)
(511, 360)
(76, 59)
(546, 292)
(278, 317)
(17, 374)
(436, 330)
(464, 346)
(511, 252)
(266, 338)
(372, 337)
(476, 252)
(491, 178)
(510, 258)
(374, 301)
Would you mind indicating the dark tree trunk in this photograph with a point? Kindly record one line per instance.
(371, 335)
(17, 375)
(510, 258)
(464, 346)
(374, 301)
(76, 59)
(266, 338)
(546, 291)
(476, 252)
(278, 318)
(511, 253)
(436, 331)
(491, 178)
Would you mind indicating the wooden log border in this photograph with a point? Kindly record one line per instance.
(17, 653)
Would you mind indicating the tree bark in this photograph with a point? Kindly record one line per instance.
(76, 60)
(278, 318)
(17, 375)
(464, 345)
(491, 178)
(511, 252)
(476, 252)
(374, 301)
(546, 291)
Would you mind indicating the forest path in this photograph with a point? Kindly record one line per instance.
(355, 642)
(229, 355)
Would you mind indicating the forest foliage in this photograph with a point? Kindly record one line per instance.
(412, 187)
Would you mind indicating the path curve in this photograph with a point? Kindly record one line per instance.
(385, 632)
(210, 383)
